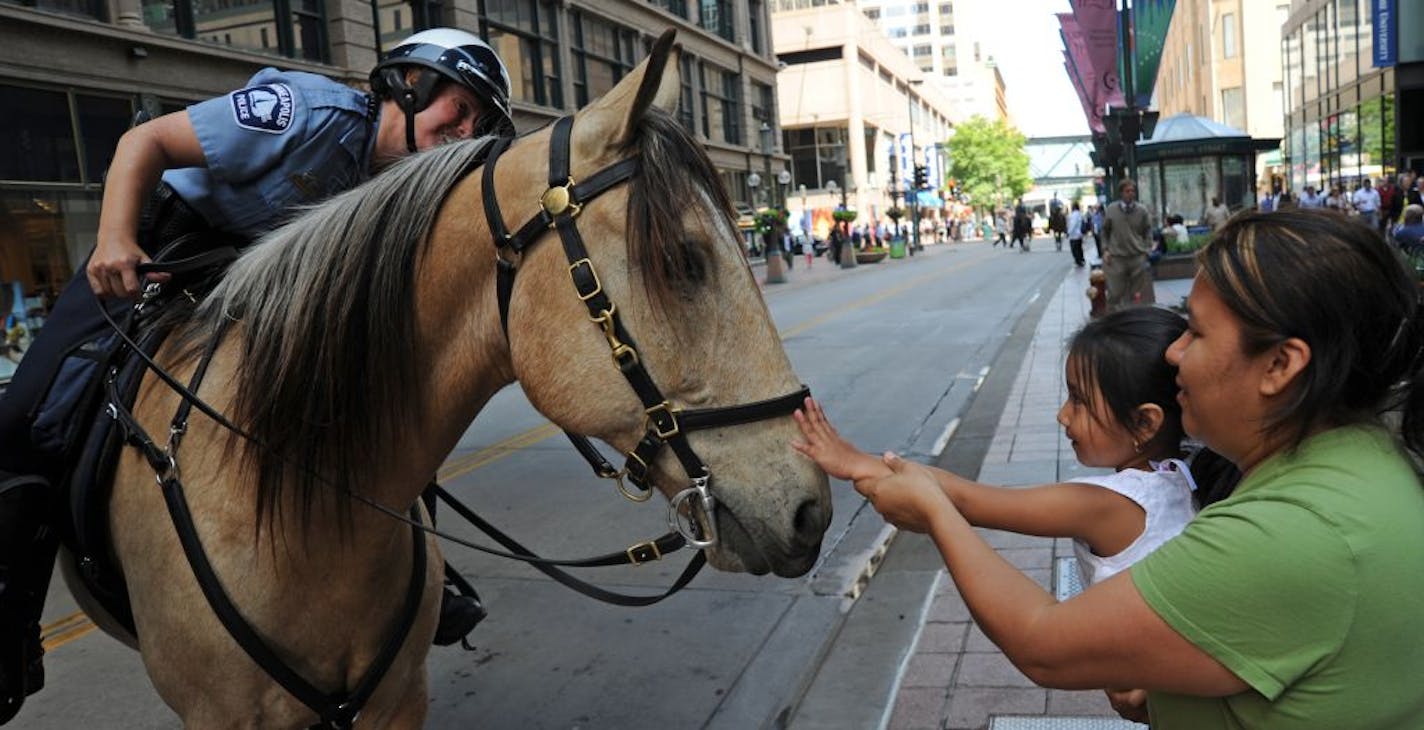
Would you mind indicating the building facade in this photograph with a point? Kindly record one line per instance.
(1233, 40)
(857, 115)
(73, 73)
(1341, 109)
(945, 39)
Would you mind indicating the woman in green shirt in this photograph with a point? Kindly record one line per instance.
(1298, 601)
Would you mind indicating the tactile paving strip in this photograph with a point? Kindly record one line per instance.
(999, 722)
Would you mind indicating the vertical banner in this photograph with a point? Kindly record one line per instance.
(1385, 15)
(1097, 25)
(1150, 21)
(1080, 71)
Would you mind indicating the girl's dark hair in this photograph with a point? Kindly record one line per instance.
(1125, 354)
(1334, 283)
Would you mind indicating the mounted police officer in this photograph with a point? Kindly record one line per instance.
(232, 167)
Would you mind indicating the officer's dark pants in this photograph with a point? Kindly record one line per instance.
(75, 318)
(1076, 246)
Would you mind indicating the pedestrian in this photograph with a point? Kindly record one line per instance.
(1074, 227)
(1367, 203)
(1216, 215)
(1128, 241)
(232, 166)
(1121, 413)
(1310, 198)
(1288, 604)
(1409, 237)
(1001, 227)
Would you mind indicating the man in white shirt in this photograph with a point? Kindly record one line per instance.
(1367, 203)
(1310, 198)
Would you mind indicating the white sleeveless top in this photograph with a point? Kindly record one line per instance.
(1165, 494)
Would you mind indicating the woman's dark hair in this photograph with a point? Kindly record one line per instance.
(1335, 284)
(1124, 353)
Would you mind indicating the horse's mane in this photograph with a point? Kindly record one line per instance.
(326, 307)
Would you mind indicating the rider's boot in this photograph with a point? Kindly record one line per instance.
(458, 616)
(460, 607)
(27, 550)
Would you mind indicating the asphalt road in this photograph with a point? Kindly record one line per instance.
(893, 349)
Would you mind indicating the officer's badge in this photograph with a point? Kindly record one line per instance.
(267, 108)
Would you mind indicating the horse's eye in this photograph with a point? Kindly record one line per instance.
(692, 261)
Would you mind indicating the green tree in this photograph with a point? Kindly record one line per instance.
(988, 161)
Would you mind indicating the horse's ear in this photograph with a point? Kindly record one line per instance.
(661, 85)
(613, 119)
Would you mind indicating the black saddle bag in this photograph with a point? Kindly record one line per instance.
(76, 412)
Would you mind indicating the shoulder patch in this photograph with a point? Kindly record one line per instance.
(266, 108)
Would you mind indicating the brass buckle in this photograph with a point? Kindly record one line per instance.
(671, 412)
(618, 480)
(647, 547)
(558, 200)
(597, 283)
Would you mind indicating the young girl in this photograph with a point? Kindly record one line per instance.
(1121, 412)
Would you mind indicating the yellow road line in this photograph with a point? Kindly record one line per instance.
(65, 630)
(75, 625)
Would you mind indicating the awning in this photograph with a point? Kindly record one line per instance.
(927, 199)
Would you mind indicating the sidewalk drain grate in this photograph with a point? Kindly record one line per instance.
(1000, 722)
(1066, 580)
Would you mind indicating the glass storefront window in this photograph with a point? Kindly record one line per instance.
(1149, 188)
(43, 234)
(1186, 186)
(102, 120)
(39, 136)
(1236, 190)
(525, 35)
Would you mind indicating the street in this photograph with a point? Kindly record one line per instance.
(894, 350)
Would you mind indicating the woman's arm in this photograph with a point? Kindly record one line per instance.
(142, 155)
(1106, 636)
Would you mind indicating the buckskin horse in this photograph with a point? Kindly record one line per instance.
(352, 348)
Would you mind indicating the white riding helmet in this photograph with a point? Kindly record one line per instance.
(446, 54)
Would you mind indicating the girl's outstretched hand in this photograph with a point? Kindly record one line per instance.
(908, 497)
(836, 456)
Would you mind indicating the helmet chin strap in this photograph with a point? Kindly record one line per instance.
(409, 108)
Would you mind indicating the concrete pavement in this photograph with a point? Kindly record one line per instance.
(909, 656)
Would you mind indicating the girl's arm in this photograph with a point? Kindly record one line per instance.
(1107, 636)
(1104, 519)
(1107, 521)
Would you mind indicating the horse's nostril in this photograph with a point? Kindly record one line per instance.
(810, 521)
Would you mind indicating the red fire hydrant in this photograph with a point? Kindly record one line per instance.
(1097, 293)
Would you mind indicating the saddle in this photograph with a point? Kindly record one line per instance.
(78, 412)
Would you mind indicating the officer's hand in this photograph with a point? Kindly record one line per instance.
(111, 268)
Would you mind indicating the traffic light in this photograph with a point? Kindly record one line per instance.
(922, 177)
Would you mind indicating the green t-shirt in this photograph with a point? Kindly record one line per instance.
(1308, 584)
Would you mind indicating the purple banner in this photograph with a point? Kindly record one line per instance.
(1076, 59)
(1095, 121)
(1097, 26)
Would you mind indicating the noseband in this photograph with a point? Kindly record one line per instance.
(664, 422)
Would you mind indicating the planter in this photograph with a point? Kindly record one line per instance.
(897, 248)
(1175, 266)
(870, 257)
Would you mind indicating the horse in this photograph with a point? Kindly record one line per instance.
(364, 336)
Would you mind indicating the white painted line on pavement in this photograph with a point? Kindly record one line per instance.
(983, 373)
(944, 438)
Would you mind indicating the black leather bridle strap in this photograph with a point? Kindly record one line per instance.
(337, 710)
(635, 555)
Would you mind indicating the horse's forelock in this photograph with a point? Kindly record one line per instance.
(673, 170)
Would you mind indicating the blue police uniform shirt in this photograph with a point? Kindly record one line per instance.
(287, 138)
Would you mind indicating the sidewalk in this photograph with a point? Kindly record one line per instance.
(954, 678)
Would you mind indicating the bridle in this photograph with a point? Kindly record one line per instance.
(665, 424)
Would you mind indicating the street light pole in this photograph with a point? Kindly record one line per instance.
(912, 193)
(775, 271)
